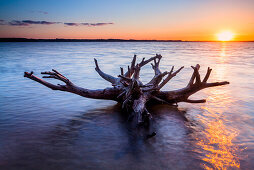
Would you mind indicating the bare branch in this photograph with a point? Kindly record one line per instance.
(144, 62)
(193, 75)
(136, 71)
(207, 75)
(157, 79)
(156, 64)
(133, 62)
(108, 93)
(196, 73)
(56, 75)
(169, 77)
(121, 71)
(216, 84)
(124, 83)
(43, 82)
(131, 70)
(183, 94)
(105, 76)
(195, 101)
(125, 78)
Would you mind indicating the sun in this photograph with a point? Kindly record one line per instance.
(225, 36)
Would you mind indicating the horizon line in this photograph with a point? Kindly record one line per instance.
(9, 39)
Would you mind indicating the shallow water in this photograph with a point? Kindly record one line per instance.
(45, 129)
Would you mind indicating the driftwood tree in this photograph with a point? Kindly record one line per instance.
(131, 92)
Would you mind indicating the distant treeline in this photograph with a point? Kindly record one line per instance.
(94, 40)
(80, 40)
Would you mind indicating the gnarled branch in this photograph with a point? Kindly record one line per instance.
(108, 93)
(193, 86)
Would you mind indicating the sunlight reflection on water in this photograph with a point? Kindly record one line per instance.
(220, 152)
(68, 131)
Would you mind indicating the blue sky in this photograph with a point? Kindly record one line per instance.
(78, 10)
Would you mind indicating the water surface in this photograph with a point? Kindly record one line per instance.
(45, 129)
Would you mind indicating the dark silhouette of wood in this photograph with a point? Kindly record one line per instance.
(128, 90)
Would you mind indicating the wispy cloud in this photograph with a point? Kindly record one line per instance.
(39, 22)
(71, 24)
(18, 23)
(89, 24)
(30, 22)
(99, 24)
(2, 22)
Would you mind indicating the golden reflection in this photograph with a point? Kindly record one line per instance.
(223, 48)
(223, 55)
(221, 153)
(216, 143)
(220, 69)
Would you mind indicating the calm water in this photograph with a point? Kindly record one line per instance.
(45, 129)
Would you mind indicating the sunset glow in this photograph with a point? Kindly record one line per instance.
(225, 36)
(144, 20)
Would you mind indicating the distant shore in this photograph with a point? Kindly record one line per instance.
(94, 40)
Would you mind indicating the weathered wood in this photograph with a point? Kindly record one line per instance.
(105, 76)
(129, 90)
(107, 93)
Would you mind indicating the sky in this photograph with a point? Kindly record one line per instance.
(189, 20)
